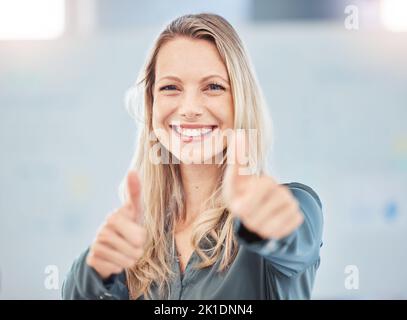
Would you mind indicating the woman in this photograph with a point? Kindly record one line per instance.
(197, 221)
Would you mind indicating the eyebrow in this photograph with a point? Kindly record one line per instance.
(202, 80)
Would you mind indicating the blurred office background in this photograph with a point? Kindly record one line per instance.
(334, 74)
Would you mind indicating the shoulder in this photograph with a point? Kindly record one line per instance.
(311, 206)
(301, 190)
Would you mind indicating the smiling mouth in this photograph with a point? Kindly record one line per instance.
(189, 133)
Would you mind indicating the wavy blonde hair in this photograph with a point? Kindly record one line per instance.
(163, 201)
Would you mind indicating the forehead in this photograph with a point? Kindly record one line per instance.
(189, 57)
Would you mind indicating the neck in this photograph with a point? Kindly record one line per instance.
(199, 182)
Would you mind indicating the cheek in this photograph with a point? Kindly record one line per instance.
(223, 110)
(162, 109)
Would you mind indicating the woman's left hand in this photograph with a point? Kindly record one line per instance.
(264, 206)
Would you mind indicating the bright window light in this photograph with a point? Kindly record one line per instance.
(31, 19)
(394, 15)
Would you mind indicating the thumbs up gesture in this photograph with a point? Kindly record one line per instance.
(262, 205)
(120, 241)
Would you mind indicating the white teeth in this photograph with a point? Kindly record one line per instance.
(206, 130)
(192, 132)
(177, 129)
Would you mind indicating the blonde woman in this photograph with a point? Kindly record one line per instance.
(194, 224)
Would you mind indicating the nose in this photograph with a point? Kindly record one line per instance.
(190, 108)
(191, 115)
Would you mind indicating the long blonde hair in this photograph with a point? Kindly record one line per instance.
(163, 197)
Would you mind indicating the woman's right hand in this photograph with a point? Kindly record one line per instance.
(119, 243)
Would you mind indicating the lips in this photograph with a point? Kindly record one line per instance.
(190, 132)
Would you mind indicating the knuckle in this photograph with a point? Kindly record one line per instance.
(300, 218)
(138, 240)
(103, 235)
(271, 184)
(90, 259)
(143, 235)
(128, 207)
(138, 237)
(242, 212)
(264, 233)
(135, 258)
(129, 263)
(294, 206)
(139, 253)
(111, 220)
(132, 262)
(97, 250)
(286, 195)
(249, 225)
(117, 270)
(100, 237)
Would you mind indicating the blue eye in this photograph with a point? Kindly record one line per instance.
(169, 87)
(215, 86)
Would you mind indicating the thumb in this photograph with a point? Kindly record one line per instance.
(237, 175)
(133, 195)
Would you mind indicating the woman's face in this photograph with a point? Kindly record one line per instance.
(193, 103)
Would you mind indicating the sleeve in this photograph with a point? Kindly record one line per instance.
(84, 283)
(292, 261)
